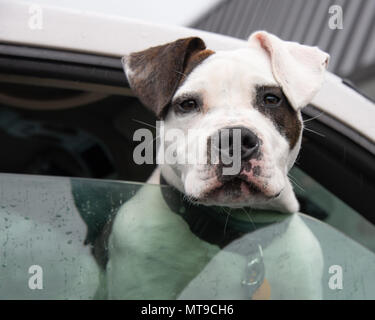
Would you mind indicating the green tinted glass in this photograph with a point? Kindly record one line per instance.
(64, 238)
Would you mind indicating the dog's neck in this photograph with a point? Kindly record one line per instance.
(218, 225)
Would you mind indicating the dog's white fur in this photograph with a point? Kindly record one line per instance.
(225, 84)
(148, 232)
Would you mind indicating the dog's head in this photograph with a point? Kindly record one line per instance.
(245, 104)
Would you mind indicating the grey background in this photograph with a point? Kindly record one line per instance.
(352, 48)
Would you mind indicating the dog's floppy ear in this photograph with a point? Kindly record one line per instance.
(154, 74)
(299, 69)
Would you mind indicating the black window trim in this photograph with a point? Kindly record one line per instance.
(107, 70)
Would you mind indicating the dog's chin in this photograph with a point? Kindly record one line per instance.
(236, 193)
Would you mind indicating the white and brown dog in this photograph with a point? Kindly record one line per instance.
(258, 90)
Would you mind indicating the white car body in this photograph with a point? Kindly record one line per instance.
(103, 35)
(88, 32)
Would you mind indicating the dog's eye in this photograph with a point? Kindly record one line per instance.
(187, 106)
(270, 99)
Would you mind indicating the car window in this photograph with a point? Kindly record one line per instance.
(49, 227)
(54, 222)
(317, 201)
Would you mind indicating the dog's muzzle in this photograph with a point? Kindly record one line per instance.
(226, 140)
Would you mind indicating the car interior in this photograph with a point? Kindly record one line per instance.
(73, 114)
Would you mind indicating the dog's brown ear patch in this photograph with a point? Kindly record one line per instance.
(195, 59)
(154, 74)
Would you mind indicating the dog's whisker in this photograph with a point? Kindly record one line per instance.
(248, 215)
(226, 221)
(145, 123)
(319, 134)
(293, 180)
(313, 118)
(298, 186)
(153, 140)
(183, 74)
(265, 176)
(250, 219)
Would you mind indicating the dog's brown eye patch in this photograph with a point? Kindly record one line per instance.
(271, 101)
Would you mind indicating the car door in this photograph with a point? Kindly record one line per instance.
(72, 114)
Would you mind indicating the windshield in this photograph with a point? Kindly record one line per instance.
(72, 238)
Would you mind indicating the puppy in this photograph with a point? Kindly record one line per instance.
(258, 92)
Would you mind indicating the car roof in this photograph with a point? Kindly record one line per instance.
(101, 34)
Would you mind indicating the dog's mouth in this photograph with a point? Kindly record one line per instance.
(235, 187)
(238, 189)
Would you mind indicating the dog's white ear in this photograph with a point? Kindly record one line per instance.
(299, 69)
(154, 74)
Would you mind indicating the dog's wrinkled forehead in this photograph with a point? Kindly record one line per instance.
(155, 74)
(229, 77)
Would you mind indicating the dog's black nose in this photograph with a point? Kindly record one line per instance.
(248, 142)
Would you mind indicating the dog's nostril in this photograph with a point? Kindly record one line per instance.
(248, 142)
